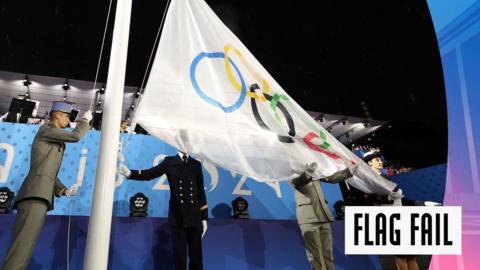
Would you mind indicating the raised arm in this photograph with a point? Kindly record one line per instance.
(301, 181)
(305, 177)
(152, 173)
(338, 176)
(60, 135)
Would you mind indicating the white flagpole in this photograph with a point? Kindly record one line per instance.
(98, 239)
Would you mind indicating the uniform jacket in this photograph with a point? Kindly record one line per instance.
(309, 198)
(188, 203)
(46, 157)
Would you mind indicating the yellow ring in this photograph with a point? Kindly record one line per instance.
(265, 85)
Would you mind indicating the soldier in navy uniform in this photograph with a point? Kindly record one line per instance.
(188, 213)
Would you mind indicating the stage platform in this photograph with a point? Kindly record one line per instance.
(144, 243)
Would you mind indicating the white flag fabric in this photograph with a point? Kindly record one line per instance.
(208, 95)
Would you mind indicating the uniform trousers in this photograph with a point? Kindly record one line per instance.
(318, 245)
(187, 241)
(28, 224)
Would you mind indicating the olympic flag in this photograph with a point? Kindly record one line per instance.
(209, 96)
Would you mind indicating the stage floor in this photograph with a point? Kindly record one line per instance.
(144, 243)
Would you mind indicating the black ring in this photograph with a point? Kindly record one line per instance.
(286, 114)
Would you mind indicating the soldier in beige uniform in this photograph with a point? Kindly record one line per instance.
(314, 217)
(35, 197)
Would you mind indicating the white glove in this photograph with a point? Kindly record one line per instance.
(204, 227)
(123, 170)
(310, 168)
(395, 195)
(72, 190)
(87, 116)
(429, 203)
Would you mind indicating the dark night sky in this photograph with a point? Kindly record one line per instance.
(374, 59)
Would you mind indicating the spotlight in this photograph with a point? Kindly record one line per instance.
(66, 86)
(240, 208)
(137, 94)
(320, 117)
(132, 106)
(138, 205)
(6, 198)
(102, 90)
(339, 207)
(26, 81)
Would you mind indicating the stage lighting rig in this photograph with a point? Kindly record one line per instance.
(139, 205)
(240, 208)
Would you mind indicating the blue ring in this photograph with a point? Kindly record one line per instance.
(193, 68)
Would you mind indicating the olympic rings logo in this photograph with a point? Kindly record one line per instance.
(193, 78)
(276, 100)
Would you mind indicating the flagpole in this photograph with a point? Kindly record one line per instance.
(98, 238)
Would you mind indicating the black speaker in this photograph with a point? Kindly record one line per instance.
(73, 115)
(6, 198)
(97, 120)
(139, 205)
(21, 106)
(140, 130)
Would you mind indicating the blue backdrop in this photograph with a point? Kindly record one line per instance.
(266, 201)
(426, 184)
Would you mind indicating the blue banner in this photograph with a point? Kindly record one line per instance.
(265, 200)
